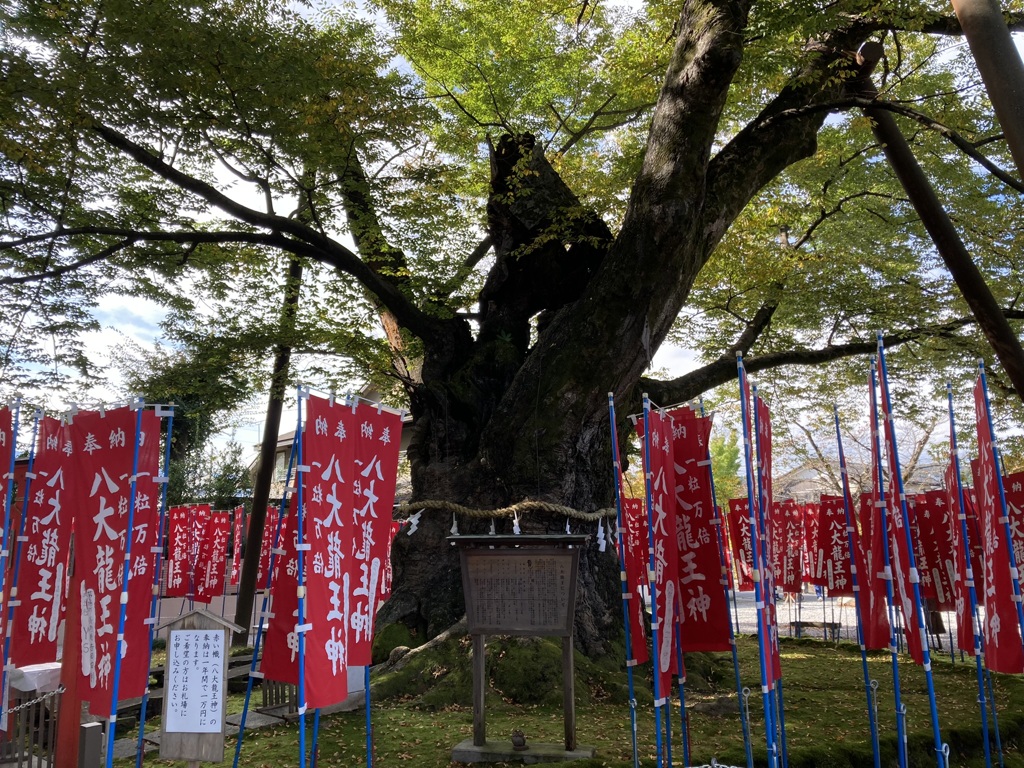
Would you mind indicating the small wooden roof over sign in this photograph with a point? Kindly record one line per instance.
(199, 615)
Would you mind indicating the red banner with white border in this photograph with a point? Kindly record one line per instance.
(740, 543)
(42, 571)
(635, 522)
(937, 562)
(237, 534)
(1003, 650)
(213, 555)
(830, 550)
(704, 609)
(103, 447)
(875, 631)
(377, 447)
(663, 540)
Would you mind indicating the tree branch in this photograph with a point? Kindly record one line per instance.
(317, 246)
(723, 369)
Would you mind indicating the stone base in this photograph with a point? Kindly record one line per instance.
(502, 752)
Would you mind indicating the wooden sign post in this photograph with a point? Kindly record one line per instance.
(195, 687)
(520, 585)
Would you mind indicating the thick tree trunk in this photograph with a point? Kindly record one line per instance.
(518, 410)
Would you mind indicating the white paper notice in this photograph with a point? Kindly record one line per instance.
(195, 672)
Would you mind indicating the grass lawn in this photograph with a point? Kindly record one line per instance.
(424, 709)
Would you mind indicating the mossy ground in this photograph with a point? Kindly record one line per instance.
(423, 709)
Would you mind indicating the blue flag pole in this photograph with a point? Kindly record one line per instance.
(759, 597)
(627, 596)
(5, 546)
(725, 587)
(268, 578)
(13, 602)
(968, 575)
(658, 701)
(301, 627)
(911, 559)
(138, 406)
(768, 590)
(883, 518)
(1003, 515)
(852, 545)
(157, 551)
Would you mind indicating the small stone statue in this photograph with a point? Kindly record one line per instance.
(518, 740)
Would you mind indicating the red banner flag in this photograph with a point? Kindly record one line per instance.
(377, 445)
(704, 609)
(787, 521)
(739, 539)
(663, 539)
(764, 463)
(7, 440)
(936, 564)
(389, 574)
(1013, 488)
(1003, 650)
(899, 552)
(875, 630)
(270, 523)
(236, 546)
(44, 553)
(830, 551)
(103, 447)
(635, 522)
(213, 554)
(185, 532)
(961, 584)
(281, 641)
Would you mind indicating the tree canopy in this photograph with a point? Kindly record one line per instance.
(505, 208)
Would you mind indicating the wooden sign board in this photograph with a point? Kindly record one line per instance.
(195, 687)
(522, 591)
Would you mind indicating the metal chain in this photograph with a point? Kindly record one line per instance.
(25, 705)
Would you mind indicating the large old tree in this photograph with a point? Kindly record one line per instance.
(527, 197)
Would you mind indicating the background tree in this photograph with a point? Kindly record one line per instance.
(526, 198)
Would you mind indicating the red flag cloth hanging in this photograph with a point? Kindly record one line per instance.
(898, 550)
(926, 585)
(44, 553)
(209, 574)
(788, 521)
(875, 630)
(281, 644)
(186, 530)
(635, 522)
(961, 588)
(739, 539)
(933, 518)
(704, 609)
(270, 522)
(764, 463)
(1003, 651)
(663, 540)
(328, 449)
(103, 447)
(236, 546)
(177, 552)
(811, 515)
(830, 551)
(389, 574)
(376, 454)
(1013, 488)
